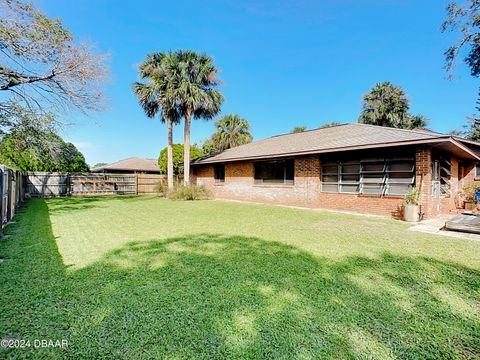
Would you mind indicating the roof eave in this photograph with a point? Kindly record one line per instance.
(464, 148)
(324, 151)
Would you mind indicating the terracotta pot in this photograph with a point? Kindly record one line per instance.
(411, 212)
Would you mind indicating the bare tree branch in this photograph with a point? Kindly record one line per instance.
(42, 67)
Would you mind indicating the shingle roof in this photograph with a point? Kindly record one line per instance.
(341, 137)
(131, 164)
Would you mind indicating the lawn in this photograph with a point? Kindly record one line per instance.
(144, 277)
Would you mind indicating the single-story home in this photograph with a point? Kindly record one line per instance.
(353, 167)
(133, 165)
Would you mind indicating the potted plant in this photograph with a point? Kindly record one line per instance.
(411, 206)
(469, 190)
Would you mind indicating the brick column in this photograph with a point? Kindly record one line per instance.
(307, 178)
(423, 177)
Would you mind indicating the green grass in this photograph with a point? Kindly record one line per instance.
(144, 277)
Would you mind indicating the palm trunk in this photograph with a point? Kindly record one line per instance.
(170, 154)
(186, 149)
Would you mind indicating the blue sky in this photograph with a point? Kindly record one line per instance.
(283, 63)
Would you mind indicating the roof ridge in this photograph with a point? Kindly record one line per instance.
(407, 130)
(360, 124)
(309, 130)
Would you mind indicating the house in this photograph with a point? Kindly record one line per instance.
(133, 165)
(353, 167)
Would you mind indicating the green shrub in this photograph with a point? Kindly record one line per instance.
(469, 190)
(161, 187)
(192, 192)
(413, 197)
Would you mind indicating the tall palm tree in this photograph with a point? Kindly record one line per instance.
(232, 131)
(155, 96)
(196, 79)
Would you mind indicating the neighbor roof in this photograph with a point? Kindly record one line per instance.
(131, 164)
(337, 138)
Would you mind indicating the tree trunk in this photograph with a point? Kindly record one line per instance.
(170, 154)
(186, 149)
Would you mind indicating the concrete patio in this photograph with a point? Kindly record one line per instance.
(436, 226)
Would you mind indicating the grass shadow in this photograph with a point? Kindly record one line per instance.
(215, 296)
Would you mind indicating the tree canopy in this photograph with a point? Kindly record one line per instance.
(178, 159)
(298, 129)
(231, 131)
(155, 94)
(31, 146)
(387, 105)
(466, 20)
(472, 129)
(100, 164)
(42, 68)
(330, 124)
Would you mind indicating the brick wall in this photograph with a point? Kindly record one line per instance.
(433, 206)
(306, 191)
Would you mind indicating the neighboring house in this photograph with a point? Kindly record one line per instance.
(353, 167)
(131, 165)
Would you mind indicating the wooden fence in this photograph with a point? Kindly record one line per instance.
(47, 183)
(12, 192)
(58, 184)
(146, 183)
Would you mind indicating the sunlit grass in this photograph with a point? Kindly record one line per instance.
(147, 277)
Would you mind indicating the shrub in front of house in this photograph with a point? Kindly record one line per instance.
(192, 192)
(469, 190)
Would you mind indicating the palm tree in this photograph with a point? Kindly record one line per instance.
(156, 96)
(232, 131)
(194, 89)
(415, 121)
(384, 105)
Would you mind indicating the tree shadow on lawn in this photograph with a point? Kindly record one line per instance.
(212, 296)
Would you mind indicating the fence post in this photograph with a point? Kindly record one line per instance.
(136, 184)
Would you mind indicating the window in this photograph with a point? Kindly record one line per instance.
(274, 172)
(392, 176)
(477, 171)
(219, 171)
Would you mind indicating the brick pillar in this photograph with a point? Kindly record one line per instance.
(455, 185)
(423, 177)
(307, 178)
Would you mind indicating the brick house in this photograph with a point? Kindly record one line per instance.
(353, 167)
